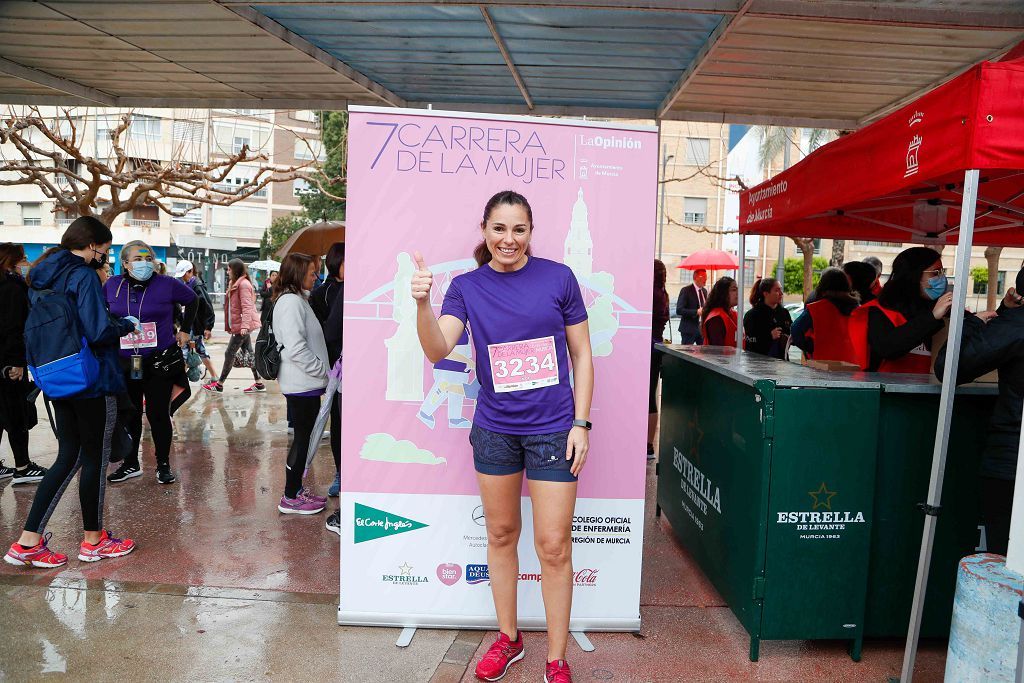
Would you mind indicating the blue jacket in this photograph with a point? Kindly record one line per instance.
(100, 329)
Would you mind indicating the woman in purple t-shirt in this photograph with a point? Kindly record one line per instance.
(528, 321)
(149, 300)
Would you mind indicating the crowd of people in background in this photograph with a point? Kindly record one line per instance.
(143, 340)
(858, 322)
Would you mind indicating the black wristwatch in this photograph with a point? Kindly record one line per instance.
(582, 423)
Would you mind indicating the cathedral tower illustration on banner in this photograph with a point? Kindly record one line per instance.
(579, 246)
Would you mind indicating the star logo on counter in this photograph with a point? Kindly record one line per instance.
(822, 497)
(406, 569)
(696, 436)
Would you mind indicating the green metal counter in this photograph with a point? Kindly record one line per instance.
(795, 490)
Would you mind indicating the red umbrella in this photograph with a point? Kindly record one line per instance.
(710, 259)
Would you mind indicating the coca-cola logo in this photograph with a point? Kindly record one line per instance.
(585, 577)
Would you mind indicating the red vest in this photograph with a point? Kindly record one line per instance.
(918, 361)
(830, 332)
(730, 321)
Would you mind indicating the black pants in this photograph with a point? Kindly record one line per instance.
(304, 411)
(336, 431)
(84, 429)
(13, 407)
(157, 392)
(237, 342)
(652, 398)
(996, 506)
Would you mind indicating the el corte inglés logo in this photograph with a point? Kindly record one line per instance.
(371, 523)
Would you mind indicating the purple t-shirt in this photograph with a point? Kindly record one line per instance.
(535, 302)
(152, 303)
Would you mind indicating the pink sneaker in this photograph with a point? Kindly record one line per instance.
(257, 388)
(299, 506)
(499, 657)
(37, 556)
(309, 495)
(214, 386)
(108, 546)
(558, 672)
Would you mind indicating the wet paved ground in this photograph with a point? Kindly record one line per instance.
(224, 588)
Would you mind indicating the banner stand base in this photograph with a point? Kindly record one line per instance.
(405, 637)
(582, 641)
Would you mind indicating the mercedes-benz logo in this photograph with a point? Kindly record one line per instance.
(478, 516)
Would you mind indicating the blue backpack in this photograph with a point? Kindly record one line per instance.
(58, 355)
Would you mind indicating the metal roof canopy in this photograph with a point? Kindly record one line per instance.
(819, 63)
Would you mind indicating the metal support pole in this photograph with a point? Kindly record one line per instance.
(740, 285)
(1019, 675)
(1015, 552)
(665, 156)
(780, 268)
(932, 505)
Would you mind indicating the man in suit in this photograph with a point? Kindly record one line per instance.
(689, 307)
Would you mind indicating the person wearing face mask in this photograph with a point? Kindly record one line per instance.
(83, 421)
(16, 413)
(151, 358)
(766, 326)
(894, 332)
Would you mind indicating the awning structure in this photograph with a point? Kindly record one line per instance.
(901, 179)
(822, 63)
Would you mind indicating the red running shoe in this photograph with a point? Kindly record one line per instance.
(558, 672)
(37, 556)
(108, 546)
(503, 654)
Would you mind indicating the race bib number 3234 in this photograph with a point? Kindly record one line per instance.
(522, 365)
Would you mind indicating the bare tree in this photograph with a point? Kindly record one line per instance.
(992, 258)
(49, 154)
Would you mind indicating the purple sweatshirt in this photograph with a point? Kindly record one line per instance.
(151, 302)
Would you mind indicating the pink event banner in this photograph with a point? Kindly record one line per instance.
(418, 181)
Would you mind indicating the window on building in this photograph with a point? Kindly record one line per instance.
(695, 210)
(817, 246)
(302, 186)
(188, 131)
(304, 115)
(307, 150)
(239, 141)
(684, 276)
(748, 273)
(863, 243)
(105, 126)
(194, 215)
(981, 286)
(145, 127)
(31, 214)
(698, 151)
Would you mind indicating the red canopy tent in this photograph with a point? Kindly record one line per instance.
(936, 171)
(901, 179)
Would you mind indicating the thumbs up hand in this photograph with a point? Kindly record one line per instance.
(422, 280)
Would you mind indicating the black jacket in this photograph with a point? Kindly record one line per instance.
(328, 303)
(206, 317)
(758, 324)
(686, 308)
(13, 313)
(998, 345)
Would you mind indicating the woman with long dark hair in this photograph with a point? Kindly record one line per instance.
(766, 326)
(863, 280)
(718, 321)
(151, 358)
(14, 382)
(822, 330)
(85, 421)
(241, 320)
(528, 320)
(894, 333)
(659, 319)
(303, 373)
(328, 302)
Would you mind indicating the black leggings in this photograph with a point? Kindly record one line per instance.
(12, 395)
(304, 411)
(336, 431)
(996, 506)
(238, 341)
(84, 429)
(157, 392)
